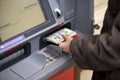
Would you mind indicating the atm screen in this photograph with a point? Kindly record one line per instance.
(17, 16)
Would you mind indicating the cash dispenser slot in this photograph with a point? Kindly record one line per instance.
(14, 55)
(49, 32)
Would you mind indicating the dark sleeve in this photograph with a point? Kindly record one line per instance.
(98, 52)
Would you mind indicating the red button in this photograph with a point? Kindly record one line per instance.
(74, 36)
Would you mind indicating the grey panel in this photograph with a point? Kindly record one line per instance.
(28, 67)
(84, 16)
(68, 7)
(9, 75)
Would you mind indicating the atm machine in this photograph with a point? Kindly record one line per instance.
(26, 29)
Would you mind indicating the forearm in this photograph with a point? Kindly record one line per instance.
(95, 52)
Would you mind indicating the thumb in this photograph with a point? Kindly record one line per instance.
(66, 37)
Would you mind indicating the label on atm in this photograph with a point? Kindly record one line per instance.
(57, 37)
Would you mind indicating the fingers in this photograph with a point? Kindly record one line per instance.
(60, 45)
(66, 37)
(65, 44)
(63, 47)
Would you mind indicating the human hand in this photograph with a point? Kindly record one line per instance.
(65, 46)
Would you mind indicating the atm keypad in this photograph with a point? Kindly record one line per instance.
(50, 59)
